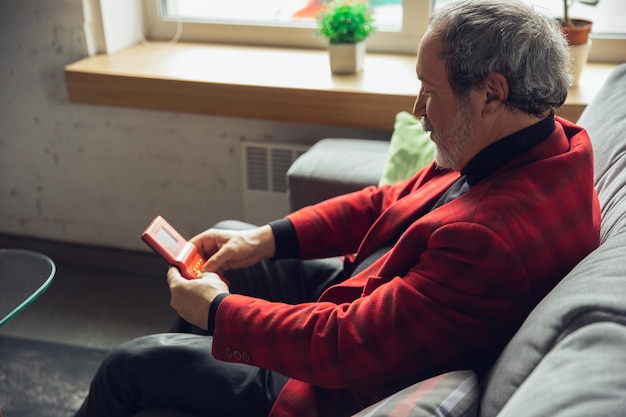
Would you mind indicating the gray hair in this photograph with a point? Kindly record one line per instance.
(509, 37)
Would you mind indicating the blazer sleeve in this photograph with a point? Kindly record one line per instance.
(459, 299)
(338, 225)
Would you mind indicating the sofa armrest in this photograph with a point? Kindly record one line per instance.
(333, 167)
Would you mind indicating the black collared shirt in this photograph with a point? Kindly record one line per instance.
(496, 155)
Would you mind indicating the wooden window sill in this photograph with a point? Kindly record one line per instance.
(266, 83)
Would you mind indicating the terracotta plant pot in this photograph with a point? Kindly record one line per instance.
(577, 34)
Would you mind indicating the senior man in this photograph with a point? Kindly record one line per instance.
(439, 271)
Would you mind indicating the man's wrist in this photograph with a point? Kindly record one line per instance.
(266, 241)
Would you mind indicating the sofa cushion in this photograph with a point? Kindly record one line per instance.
(335, 166)
(582, 376)
(410, 149)
(454, 394)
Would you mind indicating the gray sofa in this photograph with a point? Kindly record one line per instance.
(569, 357)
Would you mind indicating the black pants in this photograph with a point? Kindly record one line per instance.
(177, 370)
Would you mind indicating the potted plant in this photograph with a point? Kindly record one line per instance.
(346, 24)
(576, 30)
(577, 34)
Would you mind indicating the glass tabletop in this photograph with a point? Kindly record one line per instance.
(24, 275)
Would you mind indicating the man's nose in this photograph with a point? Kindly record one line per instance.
(419, 108)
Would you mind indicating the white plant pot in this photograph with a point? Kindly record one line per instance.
(346, 58)
(579, 55)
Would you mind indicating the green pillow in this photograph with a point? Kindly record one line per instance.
(410, 149)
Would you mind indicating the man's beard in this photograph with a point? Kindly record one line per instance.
(452, 141)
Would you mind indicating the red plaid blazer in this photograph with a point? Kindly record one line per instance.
(449, 295)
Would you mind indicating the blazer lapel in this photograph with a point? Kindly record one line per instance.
(400, 215)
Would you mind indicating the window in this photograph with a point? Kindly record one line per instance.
(388, 13)
(400, 23)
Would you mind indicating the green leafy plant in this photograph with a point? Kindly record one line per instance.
(567, 21)
(345, 21)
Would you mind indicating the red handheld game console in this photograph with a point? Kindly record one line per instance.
(174, 248)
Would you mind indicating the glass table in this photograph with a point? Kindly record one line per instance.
(24, 275)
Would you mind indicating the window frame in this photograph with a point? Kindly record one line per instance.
(104, 34)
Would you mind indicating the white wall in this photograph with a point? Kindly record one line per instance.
(97, 175)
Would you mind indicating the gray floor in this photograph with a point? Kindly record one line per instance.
(99, 297)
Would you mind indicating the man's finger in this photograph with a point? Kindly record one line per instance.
(173, 274)
(216, 263)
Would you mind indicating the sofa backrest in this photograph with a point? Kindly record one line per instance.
(584, 317)
(605, 121)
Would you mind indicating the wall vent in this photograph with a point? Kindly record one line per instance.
(265, 167)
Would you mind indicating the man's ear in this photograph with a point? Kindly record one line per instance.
(496, 92)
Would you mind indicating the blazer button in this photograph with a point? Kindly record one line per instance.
(245, 357)
(237, 355)
(229, 353)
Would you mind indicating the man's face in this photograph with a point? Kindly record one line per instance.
(450, 119)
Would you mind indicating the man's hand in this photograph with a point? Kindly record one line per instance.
(230, 249)
(192, 298)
